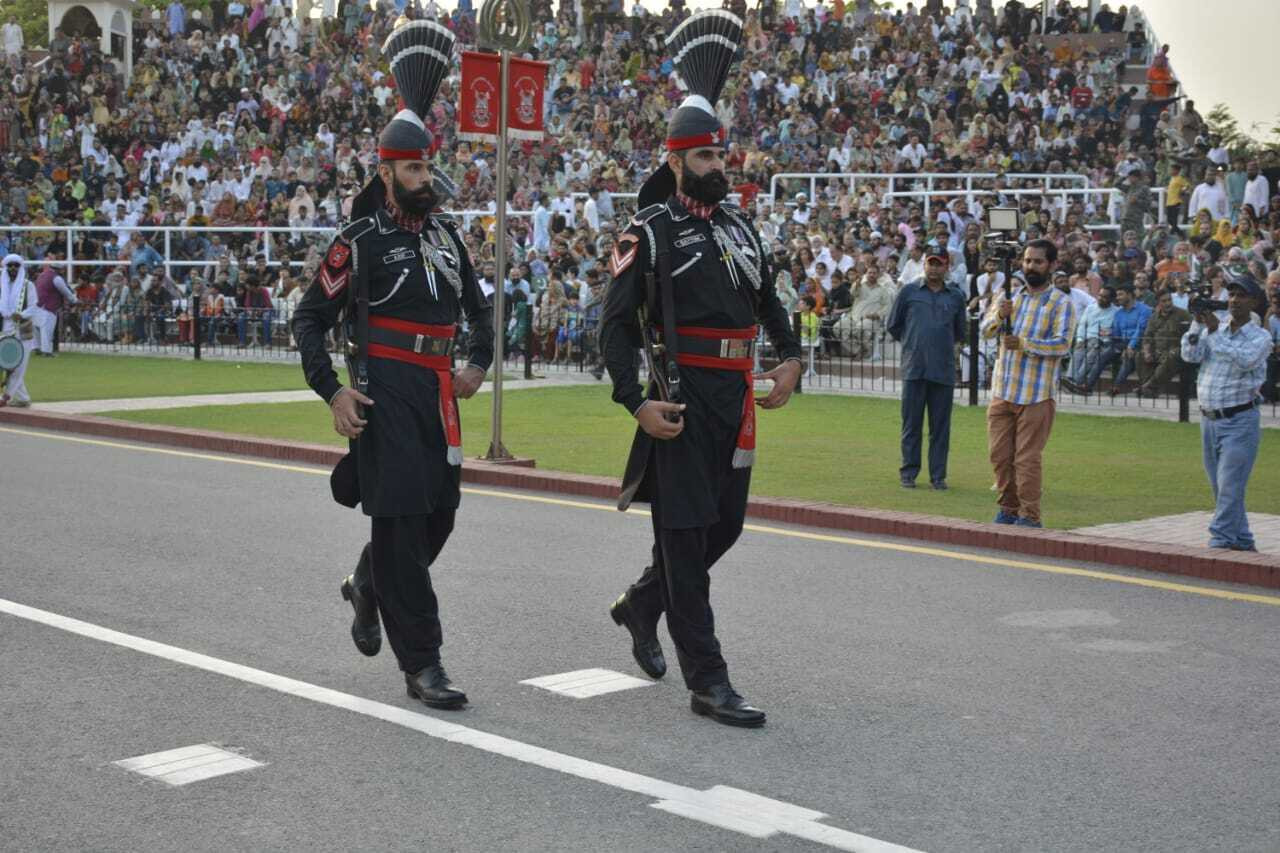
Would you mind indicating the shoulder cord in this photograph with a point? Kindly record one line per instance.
(731, 248)
(433, 253)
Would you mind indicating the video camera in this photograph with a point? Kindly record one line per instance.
(1001, 241)
(1202, 301)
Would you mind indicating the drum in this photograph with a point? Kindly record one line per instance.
(11, 352)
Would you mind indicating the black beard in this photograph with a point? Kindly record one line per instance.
(1034, 279)
(710, 188)
(415, 204)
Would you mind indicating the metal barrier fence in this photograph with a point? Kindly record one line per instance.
(843, 354)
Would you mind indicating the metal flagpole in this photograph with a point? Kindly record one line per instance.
(496, 451)
(506, 25)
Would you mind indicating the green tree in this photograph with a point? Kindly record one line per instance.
(1224, 125)
(33, 17)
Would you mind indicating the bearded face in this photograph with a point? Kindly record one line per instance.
(711, 187)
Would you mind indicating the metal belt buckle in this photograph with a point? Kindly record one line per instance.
(734, 348)
(417, 344)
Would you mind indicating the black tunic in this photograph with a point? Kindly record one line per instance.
(401, 455)
(693, 469)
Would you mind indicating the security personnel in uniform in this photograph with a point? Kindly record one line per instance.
(692, 272)
(398, 279)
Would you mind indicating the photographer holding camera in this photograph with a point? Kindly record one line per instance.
(1035, 328)
(1233, 366)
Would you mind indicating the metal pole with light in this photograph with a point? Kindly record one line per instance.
(505, 25)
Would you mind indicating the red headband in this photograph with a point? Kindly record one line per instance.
(701, 140)
(385, 154)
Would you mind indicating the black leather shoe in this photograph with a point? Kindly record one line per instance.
(431, 687)
(722, 703)
(365, 629)
(644, 639)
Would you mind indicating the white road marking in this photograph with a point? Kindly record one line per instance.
(729, 808)
(188, 764)
(585, 683)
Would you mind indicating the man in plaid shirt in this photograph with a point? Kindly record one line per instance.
(1043, 321)
(1233, 366)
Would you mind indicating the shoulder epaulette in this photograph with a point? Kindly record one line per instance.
(648, 213)
(448, 220)
(357, 228)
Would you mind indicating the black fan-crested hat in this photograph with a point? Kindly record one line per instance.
(704, 48)
(421, 55)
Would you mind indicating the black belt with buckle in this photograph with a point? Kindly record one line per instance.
(716, 347)
(420, 344)
(1219, 414)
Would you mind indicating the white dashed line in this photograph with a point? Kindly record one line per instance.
(728, 808)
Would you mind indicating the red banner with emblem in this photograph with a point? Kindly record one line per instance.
(527, 86)
(480, 101)
(478, 107)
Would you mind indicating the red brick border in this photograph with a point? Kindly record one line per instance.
(1236, 567)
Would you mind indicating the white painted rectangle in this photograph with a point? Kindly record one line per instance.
(585, 683)
(188, 764)
(143, 762)
(221, 767)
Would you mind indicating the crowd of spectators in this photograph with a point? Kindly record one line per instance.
(246, 115)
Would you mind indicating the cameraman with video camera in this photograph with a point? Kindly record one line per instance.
(1233, 366)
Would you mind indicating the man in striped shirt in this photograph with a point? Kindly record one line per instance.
(1233, 366)
(1042, 324)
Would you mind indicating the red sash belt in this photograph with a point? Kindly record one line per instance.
(441, 364)
(745, 453)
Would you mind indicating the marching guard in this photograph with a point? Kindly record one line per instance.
(690, 282)
(397, 279)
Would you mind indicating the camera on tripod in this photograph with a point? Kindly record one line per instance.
(1202, 301)
(1001, 239)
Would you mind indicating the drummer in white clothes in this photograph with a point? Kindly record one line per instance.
(18, 306)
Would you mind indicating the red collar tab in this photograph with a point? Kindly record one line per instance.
(697, 208)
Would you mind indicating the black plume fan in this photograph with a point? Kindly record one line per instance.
(421, 55)
(703, 48)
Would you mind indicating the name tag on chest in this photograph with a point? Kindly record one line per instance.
(690, 240)
(398, 256)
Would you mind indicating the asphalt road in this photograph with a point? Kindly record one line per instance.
(941, 702)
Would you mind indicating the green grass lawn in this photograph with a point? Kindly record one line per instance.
(841, 449)
(83, 376)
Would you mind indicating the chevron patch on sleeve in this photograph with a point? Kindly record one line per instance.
(624, 253)
(335, 271)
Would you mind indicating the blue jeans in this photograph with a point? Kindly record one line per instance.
(1109, 352)
(1230, 448)
(1083, 358)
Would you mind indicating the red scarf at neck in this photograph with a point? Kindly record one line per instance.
(697, 208)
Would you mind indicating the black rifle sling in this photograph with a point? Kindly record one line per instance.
(360, 363)
(666, 288)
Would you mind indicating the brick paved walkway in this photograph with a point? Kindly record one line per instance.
(1188, 528)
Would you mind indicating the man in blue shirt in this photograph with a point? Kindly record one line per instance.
(1233, 365)
(1127, 326)
(928, 318)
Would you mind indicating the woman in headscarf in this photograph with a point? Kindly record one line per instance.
(18, 307)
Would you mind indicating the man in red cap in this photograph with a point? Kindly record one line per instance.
(928, 319)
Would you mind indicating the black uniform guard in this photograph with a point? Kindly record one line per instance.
(694, 273)
(398, 278)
